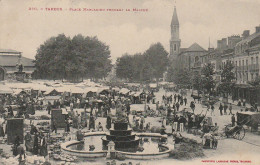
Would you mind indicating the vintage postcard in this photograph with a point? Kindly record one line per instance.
(130, 82)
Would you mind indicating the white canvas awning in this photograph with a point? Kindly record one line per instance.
(124, 91)
(5, 90)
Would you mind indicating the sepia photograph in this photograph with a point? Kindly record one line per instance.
(129, 82)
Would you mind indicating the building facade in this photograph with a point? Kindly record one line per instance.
(9, 60)
(246, 61)
(189, 58)
(243, 52)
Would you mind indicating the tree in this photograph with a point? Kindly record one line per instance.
(208, 82)
(80, 57)
(197, 82)
(182, 77)
(170, 74)
(156, 55)
(125, 67)
(227, 77)
(143, 67)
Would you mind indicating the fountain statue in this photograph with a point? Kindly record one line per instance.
(121, 135)
(19, 75)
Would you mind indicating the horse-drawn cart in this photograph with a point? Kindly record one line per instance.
(250, 119)
(237, 132)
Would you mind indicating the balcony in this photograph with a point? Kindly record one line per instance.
(239, 68)
(254, 67)
(246, 68)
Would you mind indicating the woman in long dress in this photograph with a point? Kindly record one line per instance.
(43, 147)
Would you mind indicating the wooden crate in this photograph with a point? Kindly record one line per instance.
(14, 127)
(56, 115)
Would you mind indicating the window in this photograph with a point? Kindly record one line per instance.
(196, 59)
(175, 47)
(246, 76)
(246, 62)
(243, 62)
(236, 63)
(252, 60)
(239, 63)
(256, 59)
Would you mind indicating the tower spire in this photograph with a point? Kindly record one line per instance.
(175, 41)
(175, 20)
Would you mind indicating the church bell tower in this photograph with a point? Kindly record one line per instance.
(175, 42)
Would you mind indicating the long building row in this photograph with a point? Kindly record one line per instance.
(244, 52)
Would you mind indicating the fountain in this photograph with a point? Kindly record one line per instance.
(119, 140)
(122, 136)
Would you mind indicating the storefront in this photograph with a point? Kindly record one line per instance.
(246, 92)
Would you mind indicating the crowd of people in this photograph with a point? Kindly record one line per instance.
(173, 108)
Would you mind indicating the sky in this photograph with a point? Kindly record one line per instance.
(130, 32)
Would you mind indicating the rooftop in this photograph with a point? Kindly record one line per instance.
(11, 60)
(9, 51)
(248, 39)
(195, 48)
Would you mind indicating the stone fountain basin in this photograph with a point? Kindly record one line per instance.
(102, 153)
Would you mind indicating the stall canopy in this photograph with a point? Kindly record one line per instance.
(103, 91)
(19, 91)
(51, 92)
(116, 89)
(153, 85)
(76, 90)
(5, 90)
(137, 94)
(124, 91)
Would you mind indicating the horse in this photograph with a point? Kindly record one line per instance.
(195, 97)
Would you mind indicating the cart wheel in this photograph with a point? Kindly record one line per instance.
(240, 134)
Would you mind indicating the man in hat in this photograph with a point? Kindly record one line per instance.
(230, 109)
(109, 121)
(233, 120)
(175, 123)
(142, 123)
(35, 144)
(182, 122)
(28, 141)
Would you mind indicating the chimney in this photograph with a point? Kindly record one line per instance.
(224, 43)
(210, 49)
(233, 40)
(219, 44)
(257, 29)
(246, 33)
